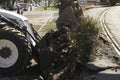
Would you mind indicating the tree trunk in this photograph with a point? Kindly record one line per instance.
(49, 2)
(13, 1)
(45, 8)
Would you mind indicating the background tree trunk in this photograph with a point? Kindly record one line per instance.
(45, 8)
(49, 2)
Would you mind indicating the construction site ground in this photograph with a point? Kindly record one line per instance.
(105, 58)
(39, 19)
(110, 57)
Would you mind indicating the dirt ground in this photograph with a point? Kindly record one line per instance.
(105, 59)
(104, 65)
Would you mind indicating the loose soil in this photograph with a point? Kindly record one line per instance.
(104, 59)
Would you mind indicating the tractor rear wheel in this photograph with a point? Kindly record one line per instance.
(14, 51)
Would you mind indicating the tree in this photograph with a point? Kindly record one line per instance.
(56, 3)
(49, 2)
(13, 1)
(113, 2)
(45, 8)
(36, 1)
(26, 1)
(4, 1)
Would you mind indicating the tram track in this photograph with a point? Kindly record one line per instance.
(108, 33)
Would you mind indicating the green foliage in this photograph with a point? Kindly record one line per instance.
(81, 42)
(37, 1)
(85, 39)
(49, 26)
(56, 2)
(51, 8)
(3, 1)
(25, 1)
(113, 2)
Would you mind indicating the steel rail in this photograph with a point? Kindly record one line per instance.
(111, 37)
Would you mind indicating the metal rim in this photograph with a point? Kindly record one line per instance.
(8, 53)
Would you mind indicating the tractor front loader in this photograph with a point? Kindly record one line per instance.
(19, 41)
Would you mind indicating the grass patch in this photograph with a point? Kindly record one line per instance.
(50, 25)
(47, 27)
(36, 27)
(85, 39)
(87, 6)
(51, 8)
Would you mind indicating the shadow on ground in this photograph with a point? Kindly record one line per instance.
(102, 76)
(32, 73)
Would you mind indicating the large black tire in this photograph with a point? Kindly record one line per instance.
(14, 51)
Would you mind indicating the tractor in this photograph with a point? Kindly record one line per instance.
(20, 42)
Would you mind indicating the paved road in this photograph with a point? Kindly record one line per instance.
(39, 18)
(112, 19)
(114, 22)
